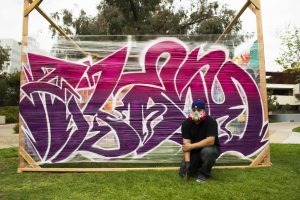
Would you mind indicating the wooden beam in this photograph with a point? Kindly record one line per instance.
(256, 3)
(22, 81)
(60, 30)
(262, 70)
(239, 167)
(123, 169)
(252, 8)
(233, 22)
(32, 6)
(260, 159)
(28, 158)
(97, 169)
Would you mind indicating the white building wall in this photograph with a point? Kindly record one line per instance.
(282, 99)
(14, 63)
(291, 100)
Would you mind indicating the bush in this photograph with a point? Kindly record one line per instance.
(11, 113)
(16, 128)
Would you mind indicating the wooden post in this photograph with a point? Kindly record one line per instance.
(262, 70)
(22, 81)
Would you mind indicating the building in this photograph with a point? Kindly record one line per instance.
(14, 63)
(286, 87)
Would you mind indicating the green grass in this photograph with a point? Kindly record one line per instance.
(281, 181)
(11, 113)
(297, 129)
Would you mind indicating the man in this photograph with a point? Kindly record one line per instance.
(200, 143)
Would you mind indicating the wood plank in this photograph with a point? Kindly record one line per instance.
(28, 158)
(262, 70)
(252, 8)
(256, 3)
(97, 169)
(124, 169)
(239, 167)
(32, 6)
(22, 81)
(233, 22)
(60, 30)
(260, 159)
(262, 74)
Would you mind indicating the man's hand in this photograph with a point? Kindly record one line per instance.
(184, 170)
(186, 147)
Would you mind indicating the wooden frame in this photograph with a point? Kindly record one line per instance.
(27, 164)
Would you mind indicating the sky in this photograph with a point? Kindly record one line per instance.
(276, 16)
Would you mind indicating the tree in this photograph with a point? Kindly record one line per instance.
(273, 105)
(3, 90)
(13, 90)
(138, 17)
(4, 56)
(9, 89)
(290, 55)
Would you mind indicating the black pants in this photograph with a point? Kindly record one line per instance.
(202, 160)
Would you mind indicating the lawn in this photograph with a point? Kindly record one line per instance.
(297, 129)
(281, 181)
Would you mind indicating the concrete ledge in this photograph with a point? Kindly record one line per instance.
(2, 119)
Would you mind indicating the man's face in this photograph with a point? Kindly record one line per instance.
(198, 113)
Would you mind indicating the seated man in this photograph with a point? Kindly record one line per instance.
(200, 143)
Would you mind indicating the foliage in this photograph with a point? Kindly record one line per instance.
(137, 17)
(4, 56)
(11, 113)
(286, 108)
(279, 181)
(290, 55)
(297, 129)
(273, 105)
(9, 89)
(16, 128)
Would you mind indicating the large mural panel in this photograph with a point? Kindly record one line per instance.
(127, 104)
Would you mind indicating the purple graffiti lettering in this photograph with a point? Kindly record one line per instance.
(76, 109)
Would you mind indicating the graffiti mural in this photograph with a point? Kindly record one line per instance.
(98, 111)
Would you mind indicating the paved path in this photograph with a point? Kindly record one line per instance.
(279, 133)
(294, 138)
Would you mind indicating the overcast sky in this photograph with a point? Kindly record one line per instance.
(277, 14)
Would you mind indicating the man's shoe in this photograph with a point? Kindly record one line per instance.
(201, 178)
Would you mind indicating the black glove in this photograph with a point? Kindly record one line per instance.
(187, 166)
(184, 168)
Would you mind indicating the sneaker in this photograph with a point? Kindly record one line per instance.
(201, 178)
